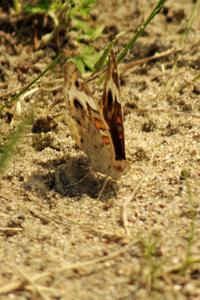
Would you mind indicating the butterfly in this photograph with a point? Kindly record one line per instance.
(97, 127)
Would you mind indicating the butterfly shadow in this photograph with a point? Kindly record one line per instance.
(71, 177)
(75, 178)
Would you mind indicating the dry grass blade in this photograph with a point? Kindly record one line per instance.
(131, 197)
(10, 229)
(20, 284)
(31, 281)
(25, 284)
(182, 266)
(95, 261)
(125, 67)
(103, 188)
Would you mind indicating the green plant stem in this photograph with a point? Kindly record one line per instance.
(190, 22)
(141, 29)
(196, 78)
(17, 6)
(52, 65)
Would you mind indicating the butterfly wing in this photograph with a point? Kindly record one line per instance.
(112, 110)
(87, 124)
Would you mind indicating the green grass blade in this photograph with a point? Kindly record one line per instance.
(196, 78)
(190, 22)
(9, 149)
(99, 64)
(50, 66)
(141, 29)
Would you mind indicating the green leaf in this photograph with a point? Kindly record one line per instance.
(87, 59)
(95, 33)
(79, 64)
(81, 7)
(99, 64)
(78, 24)
(41, 7)
(90, 35)
(90, 57)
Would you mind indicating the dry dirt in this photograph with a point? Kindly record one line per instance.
(141, 239)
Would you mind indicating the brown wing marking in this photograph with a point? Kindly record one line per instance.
(111, 108)
(87, 122)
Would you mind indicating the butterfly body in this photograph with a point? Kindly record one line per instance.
(97, 129)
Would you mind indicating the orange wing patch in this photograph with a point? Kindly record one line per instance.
(97, 129)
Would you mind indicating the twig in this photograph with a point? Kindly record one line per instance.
(14, 286)
(55, 292)
(103, 187)
(97, 260)
(31, 281)
(52, 89)
(10, 229)
(29, 93)
(182, 266)
(38, 214)
(59, 219)
(126, 66)
(53, 82)
(19, 284)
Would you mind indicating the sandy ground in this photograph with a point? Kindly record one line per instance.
(141, 239)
